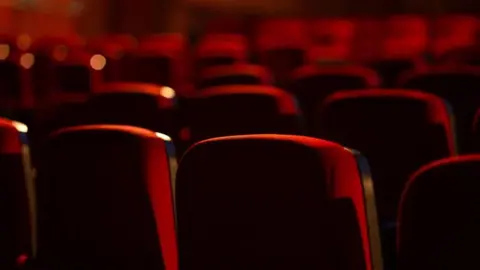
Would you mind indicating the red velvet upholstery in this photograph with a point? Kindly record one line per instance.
(438, 217)
(277, 202)
(105, 200)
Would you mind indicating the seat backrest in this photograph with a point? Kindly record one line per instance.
(282, 46)
(332, 38)
(368, 39)
(397, 130)
(459, 86)
(404, 36)
(49, 41)
(160, 60)
(391, 70)
(16, 211)
(311, 84)
(275, 201)
(153, 69)
(242, 109)
(225, 24)
(47, 51)
(11, 83)
(438, 217)
(105, 200)
(453, 31)
(282, 62)
(282, 33)
(462, 55)
(76, 73)
(118, 50)
(237, 74)
(15, 78)
(100, 44)
(332, 31)
(221, 49)
(137, 104)
(74, 78)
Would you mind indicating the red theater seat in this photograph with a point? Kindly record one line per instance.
(73, 40)
(452, 32)
(160, 60)
(367, 40)
(221, 49)
(77, 75)
(281, 45)
(137, 104)
(72, 76)
(117, 49)
(438, 217)
(125, 41)
(332, 39)
(289, 32)
(313, 83)
(404, 36)
(225, 24)
(16, 187)
(403, 44)
(46, 50)
(398, 131)
(16, 87)
(391, 70)
(464, 55)
(242, 109)
(275, 202)
(320, 53)
(237, 74)
(105, 200)
(459, 85)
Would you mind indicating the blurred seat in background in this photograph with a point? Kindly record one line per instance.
(311, 84)
(459, 86)
(242, 109)
(236, 74)
(281, 46)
